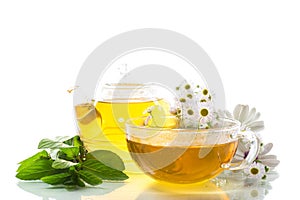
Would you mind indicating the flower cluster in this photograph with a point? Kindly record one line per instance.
(196, 108)
(264, 163)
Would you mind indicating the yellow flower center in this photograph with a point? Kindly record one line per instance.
(254, 171)
(203, 112)
(189, 96)
(187, 86)
(204, 91)
(190, 112)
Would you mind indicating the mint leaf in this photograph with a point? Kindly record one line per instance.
(56, 179)
(74, 180)
(68, 153)
(29, 161)
(63, 164)
(89, 177)
(69, 164)
(77, 142)
(103, 171)
(80, 183)
(108, 158)
(74, 141)
(36, 171)
(50, 144)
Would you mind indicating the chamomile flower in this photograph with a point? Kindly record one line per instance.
(267, 160)
(206, 113)
(255, 170)
(270, 161)
(190, 116)
(184, 89)
(196, 105)
(248, 118)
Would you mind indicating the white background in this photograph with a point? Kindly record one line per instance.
(254, 44)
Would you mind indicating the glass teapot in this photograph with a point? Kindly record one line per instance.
(101, 122)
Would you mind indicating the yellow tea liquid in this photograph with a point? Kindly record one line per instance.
(102, 124)
(193, 163)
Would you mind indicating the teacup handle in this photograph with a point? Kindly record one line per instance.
(252, 155)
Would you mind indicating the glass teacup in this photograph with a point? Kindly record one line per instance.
(187, 155)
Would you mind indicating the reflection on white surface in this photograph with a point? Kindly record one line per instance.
(60, 193)
(140, 187)
(238, 187)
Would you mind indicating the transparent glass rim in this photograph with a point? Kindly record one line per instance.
(123, 85)
(235, 126)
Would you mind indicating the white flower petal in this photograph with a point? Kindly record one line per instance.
(267, 157)
(251, 115)
(256, 116)
(270, 162)
(239, 155)
(255, 170)
(266, 148)
(243, 147)
(237, 111)
(237, 159)
(244, 113)
(256, 126)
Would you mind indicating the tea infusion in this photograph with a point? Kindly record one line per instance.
(193, 163)
(102, 124)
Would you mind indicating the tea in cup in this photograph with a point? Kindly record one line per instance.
(187, 155)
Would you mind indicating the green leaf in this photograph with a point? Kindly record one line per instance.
(62, 164)
(50, 144)
(69, 153)
(73, 180)
(108, 158)
(89, 177)
(103, 171)
(80, 183)
(77, 142)
(29, 161)
(74, 141)
(37, 170)
(56, 178)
